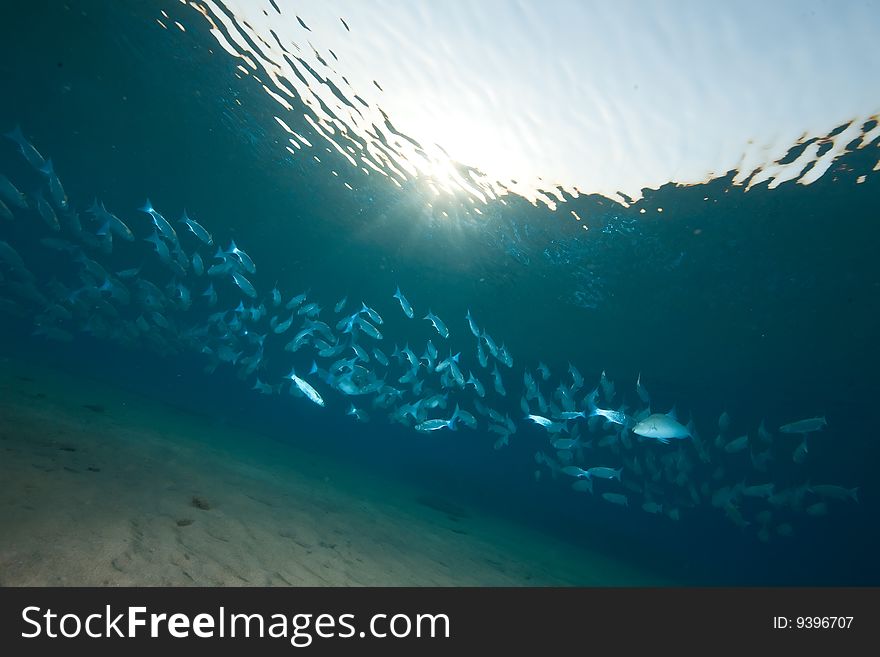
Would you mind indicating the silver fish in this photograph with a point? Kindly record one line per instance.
(11, 193)
(404, 304)
(661, 427)
(244, 284)
(616, 498)
(242, 257)
(306, 388)
(438, 324)
(197, 229)
(47, 213)
(56, 191)
(805, 426)
(604, 473)
(472, 324)
(433, 425)
(160, 222)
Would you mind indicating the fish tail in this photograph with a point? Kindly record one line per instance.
(147, 207)
(15, 134)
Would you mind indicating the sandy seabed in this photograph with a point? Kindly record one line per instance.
(99, 487)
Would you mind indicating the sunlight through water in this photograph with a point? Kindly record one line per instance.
(549, 100)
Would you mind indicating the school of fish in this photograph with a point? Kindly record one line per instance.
(145, 283)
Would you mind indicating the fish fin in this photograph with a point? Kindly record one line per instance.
(15, 134)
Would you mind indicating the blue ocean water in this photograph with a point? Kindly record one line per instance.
(760, 303)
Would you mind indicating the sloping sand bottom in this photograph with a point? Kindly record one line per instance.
(100, 487)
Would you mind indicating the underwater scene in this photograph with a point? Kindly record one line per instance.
(508, 293)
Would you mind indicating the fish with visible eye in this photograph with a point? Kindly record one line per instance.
(244, 284)
(404, 304)
(662, 428)
(434, 425)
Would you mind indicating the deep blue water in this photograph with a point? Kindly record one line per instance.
(763, 303)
